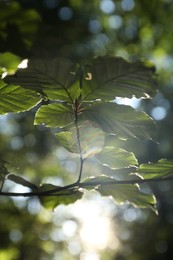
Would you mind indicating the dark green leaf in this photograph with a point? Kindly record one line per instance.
(163, 168)
(53, 77)
(3, 172)
(116, 158)
(54, 115)
(21, 181)
(110, 77)
(16, 98)
(3, 169)
(121, 120)
(63, 197)
(47, 187)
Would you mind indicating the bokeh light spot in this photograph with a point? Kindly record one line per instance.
(115, 21)
(15, 235)
(107, 6)
(65, 13)
(94, 26)
(127, 5)
(16, 143)
(34, 206)
(51, 4)
(130, 215)
(158, 113)
(69, 228)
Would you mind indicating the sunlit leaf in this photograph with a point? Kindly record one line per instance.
(9, 61)
(16, 98)
(91, 139)
(112, 77)
(127, 173)
(92, 182)
(116, 158)
(54, 115)
(163, 168)
(121, 120)
(52, 77)
(121, 193)
(128, 193)
(74, 91)
(66, 139)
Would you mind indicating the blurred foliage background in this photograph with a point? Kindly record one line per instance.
(93, 228)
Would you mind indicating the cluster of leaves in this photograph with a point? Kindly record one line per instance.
(79, 102)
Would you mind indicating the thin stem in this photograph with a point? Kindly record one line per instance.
(81, 168)
(77, 104)
(78, 141)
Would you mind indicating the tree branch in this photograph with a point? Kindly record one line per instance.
(74, 187)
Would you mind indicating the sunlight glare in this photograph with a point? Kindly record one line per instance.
(107, 6)
(133, 102)
(89, 256)
(96, 229)
(69, 228)
(95, 233)
(23, 64)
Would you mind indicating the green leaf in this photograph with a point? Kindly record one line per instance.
(116, 158)
(68, 141)
(163, 168)
(74, 91)
(126, 193)
(53, 77)
(121, 193)
(122, 174)
(121, 120)
(91, 139)
(54, 115)
(21, 181)
(63, 197)
(16, 98)
(9, 61)
(110, 77)
(47, 187)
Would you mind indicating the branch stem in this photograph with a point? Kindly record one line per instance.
(72, 188)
